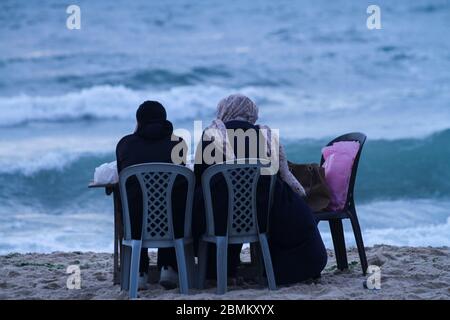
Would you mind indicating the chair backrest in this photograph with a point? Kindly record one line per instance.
(354, 136)
(241, 176)
(156, 181)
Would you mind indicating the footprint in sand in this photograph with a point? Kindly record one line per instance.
(52, 286)
(100, 276)
(13, 274)
(23, 293)
(6, 285)
(87, 296)
(378, 260)
(47, 280)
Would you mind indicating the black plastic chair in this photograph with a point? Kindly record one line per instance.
(348, 212)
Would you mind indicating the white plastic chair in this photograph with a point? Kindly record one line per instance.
(241, 177)
(156, 181)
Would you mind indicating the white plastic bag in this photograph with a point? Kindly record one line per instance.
(106, 173)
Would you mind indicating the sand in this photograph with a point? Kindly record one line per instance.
(406, 273)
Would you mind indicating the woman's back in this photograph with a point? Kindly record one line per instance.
(297, 250)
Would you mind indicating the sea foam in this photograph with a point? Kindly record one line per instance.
(298, 114)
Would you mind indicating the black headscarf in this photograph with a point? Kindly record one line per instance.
(152, 121)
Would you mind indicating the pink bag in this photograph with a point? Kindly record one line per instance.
(338, 164)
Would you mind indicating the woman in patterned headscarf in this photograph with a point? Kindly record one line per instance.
(240, 107)
(297, 250)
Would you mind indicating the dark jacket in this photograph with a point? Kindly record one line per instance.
(218, 186)
(297, 250)
(219, 195)
(150, 143)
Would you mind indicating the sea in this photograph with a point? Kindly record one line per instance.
(315, 69)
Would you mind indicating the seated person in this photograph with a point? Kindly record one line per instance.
(296, 246)
(152, 141)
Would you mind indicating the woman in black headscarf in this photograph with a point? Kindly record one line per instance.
(152, 142)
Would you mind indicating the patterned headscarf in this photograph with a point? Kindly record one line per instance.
(240, 107)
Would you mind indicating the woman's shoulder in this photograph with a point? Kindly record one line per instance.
(125, 140)
(175, 140)
(240, 124)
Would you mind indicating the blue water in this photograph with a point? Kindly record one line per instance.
(313, 68)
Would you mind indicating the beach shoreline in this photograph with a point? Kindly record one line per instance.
(406, 273)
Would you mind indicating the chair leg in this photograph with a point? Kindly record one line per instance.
(190, 264)
(182, 270)
(125, 268)
(253, 254)
(222, 264)
(359, 241)
(134, 270)
(337, 233)
(267, 261)
(202, 263)
(256, 261)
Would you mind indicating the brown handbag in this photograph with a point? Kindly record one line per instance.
(312, 178)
